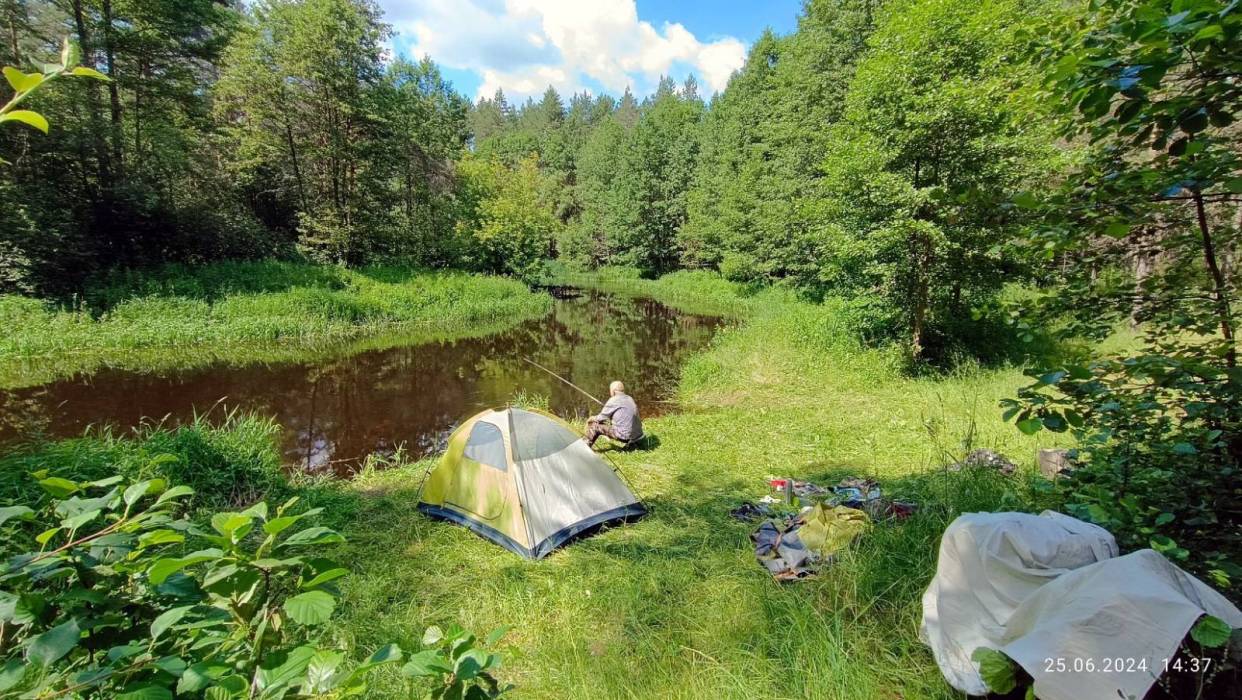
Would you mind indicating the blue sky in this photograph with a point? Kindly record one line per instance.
(522, 46)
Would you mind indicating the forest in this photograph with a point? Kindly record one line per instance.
(1004, 223)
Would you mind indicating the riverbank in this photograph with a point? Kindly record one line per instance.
(675, 605)
(183, 317)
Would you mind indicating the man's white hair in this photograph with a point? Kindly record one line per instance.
(617, 386)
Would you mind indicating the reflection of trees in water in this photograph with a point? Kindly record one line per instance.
(25, 415)
(349, 407)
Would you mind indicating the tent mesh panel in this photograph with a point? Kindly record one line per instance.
(486, 445)
(536, 437)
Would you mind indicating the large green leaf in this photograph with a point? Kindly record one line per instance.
(54, 485)
(325, 577)
(164, 568)
(26, 117)
(174, 492)
(313, 536)
(997, 671)
(288, 672)
(11, 674)
(145, 692)
(311, 607)
(135, 492)
(167, 619)
(200, 675)
(1211, 632)
(84, 72)
(9, 512)
(321, 671)
(428, 662)
(278, 525)
(49, 647)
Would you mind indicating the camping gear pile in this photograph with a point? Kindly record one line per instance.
(525, 481)
(1051, 593)
(794, 546)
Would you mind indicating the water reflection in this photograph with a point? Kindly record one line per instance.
(336, 412)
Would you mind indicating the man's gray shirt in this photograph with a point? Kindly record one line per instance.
(623, 413)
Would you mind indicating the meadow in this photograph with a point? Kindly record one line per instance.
(186, 316)
(674, 605)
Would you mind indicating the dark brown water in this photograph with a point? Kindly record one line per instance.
(336, 412)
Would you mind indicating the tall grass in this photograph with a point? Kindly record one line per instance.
(244, 312)
(232, 461)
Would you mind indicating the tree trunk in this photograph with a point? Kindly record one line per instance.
(297, 170)
(114, 90)
(102, 163)
(922, 262)
(1220, 292)
(16, 11)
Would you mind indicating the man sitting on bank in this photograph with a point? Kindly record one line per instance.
(618, 419)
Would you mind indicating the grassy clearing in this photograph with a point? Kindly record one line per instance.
(675, 605)
(247, 312)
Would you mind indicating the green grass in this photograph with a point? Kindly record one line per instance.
(229, 462)
(675, 605)
(247, 312)
(692, 291)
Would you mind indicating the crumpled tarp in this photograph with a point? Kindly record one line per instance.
(1052, 587)
(795, 547)
(825, 530)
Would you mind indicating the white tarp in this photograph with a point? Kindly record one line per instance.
(1106, 630)
(1047, 591)
(989, 563)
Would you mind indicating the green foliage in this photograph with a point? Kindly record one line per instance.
(1211, 632)
(106, 593)
(997, 670)
(188, 316)
(26, 84)
(456, 665)
(509, 228)
(936, 136)
(1144, 83)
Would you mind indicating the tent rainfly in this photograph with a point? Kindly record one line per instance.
(525, 481)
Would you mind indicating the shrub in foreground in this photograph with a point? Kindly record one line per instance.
(106, 592)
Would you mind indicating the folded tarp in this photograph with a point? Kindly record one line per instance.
(1108, 629)
(1050, 592)
(989, 563)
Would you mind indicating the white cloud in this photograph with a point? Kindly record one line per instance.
(523, 46)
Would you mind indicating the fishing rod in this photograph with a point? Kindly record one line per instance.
(554, 374)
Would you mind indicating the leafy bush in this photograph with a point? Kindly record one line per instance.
(105, 593)
(1160, 428)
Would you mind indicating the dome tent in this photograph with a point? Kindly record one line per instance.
(525, 481)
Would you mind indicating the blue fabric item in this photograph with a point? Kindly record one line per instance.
(544, 548)
(560, 537)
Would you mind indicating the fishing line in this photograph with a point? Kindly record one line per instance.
(554, 374)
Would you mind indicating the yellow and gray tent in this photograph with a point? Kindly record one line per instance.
(525, 481)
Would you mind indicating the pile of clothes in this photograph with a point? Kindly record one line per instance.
(795, 545)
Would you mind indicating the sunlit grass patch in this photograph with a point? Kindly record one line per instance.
(246, 312)
(675, 604)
